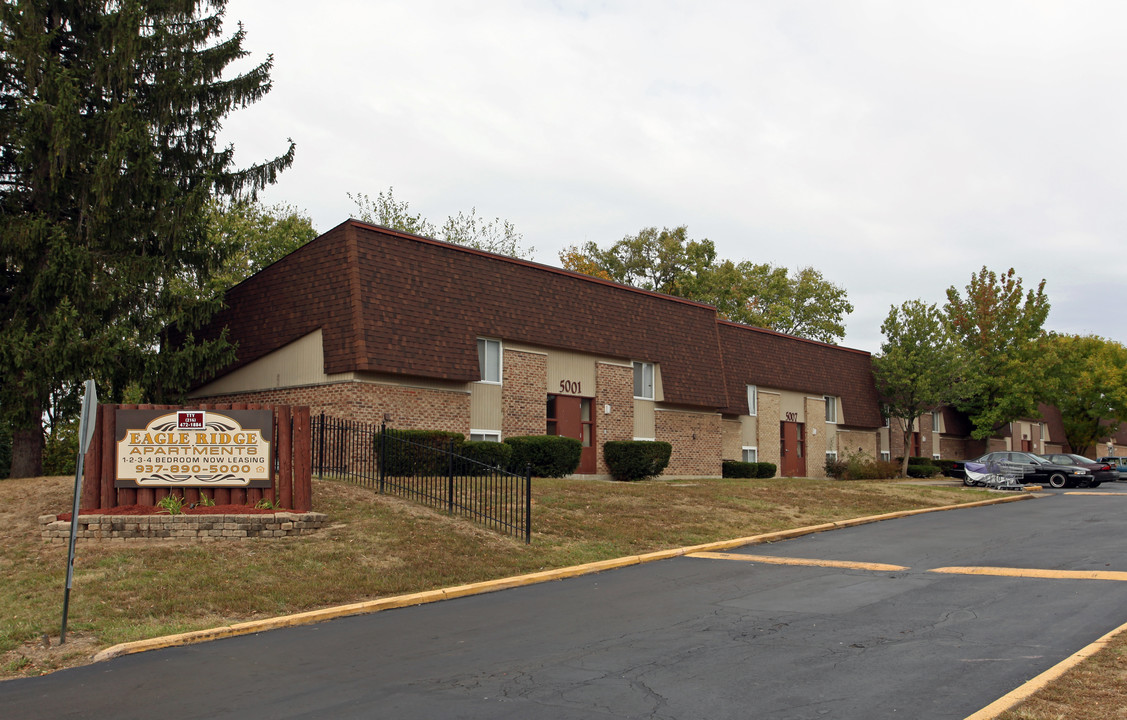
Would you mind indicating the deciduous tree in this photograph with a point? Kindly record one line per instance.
(109, 114)
(998, 327)
(496, 236)
(1087, 382)
(668, 261)
(917, 367)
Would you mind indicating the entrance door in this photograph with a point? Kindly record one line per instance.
(792, 436)
(571, 416)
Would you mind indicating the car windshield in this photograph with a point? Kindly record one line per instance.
(1081, 459)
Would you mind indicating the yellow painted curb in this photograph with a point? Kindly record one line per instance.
(1024, 692)
(422, 598)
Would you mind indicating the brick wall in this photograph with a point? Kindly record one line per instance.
(614, 385)
(767, 429)
(850, 442)
(406, 407)
(696, 440)
(524, 394)
(816, 438)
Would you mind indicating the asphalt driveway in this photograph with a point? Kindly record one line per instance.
(930, 616)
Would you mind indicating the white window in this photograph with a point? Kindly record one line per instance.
(831, 408)
(884, 456)
(751, 454)
(935, 456)
(489, 360)
(485, 436)
(644, 380)
(831, 454)
(752, 400)
(937, 420)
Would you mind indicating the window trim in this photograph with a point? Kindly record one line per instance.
(753, 400)
(496, 433)
(885, 456)
(642, 365)
(831, 402)
(831, 454)
(754, 449)
(483, 360)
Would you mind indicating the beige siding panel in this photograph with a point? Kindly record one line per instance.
(645, 424)
(485, 406)
(749, 430)
(571, 373)
(792, 402)
(302, 362)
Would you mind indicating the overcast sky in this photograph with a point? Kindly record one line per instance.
(897, 146)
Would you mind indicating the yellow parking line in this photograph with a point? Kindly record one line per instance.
(1094, 493)
(1035, 573)
(771, 559)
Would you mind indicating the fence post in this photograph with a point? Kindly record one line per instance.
(528, 504)
(321, 447)
(450, 478)
(383, 453)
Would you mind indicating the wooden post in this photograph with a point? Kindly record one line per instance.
(92, 468)
(285, 456)
(302, 460)
(107, 496)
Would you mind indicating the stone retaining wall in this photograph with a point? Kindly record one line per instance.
(205, 528)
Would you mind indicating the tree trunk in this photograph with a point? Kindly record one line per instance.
(27, 451)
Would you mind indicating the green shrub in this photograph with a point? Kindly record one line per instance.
(922, 471)
(418, 452)
(549, 455)
(636, 459)
(491, 454)
(913, 460)
(765, 470)
(861, 466)
(739, 469)
(835, 467)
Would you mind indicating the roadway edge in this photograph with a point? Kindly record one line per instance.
(486, 586)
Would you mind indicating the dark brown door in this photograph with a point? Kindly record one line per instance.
(572, 417)
(792, 444)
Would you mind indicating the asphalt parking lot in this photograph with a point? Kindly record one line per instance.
(930, 616)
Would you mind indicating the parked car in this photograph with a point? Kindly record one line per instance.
(1120, 463)
(1101, 471)
(1038, 470)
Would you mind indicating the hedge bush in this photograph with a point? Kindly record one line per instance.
(418, 455)
(922, 471)
(739, 469)
(549, 455)
(636, 459)
(491, 454)
(765, 470)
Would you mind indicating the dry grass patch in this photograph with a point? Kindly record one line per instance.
(1096, 689)
(376, 546)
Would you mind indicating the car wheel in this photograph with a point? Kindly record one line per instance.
(1095, 483)
(968, 482)
(1057, 480)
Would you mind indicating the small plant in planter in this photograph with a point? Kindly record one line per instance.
(205, 501)
(266, 504)
(172, 504)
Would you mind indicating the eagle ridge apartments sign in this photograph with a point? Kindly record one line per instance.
(194, 448)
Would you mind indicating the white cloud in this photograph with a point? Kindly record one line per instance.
(898, 147)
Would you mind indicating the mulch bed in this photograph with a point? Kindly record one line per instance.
(186, 510)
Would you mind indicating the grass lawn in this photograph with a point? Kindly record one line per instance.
(377, 546)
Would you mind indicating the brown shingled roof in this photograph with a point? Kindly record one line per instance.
(396, 303)
(755, 356)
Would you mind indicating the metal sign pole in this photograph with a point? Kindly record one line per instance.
(85, 433)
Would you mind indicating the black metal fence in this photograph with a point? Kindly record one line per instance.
(427, 472)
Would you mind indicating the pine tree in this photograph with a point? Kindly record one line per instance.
(109, 114)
